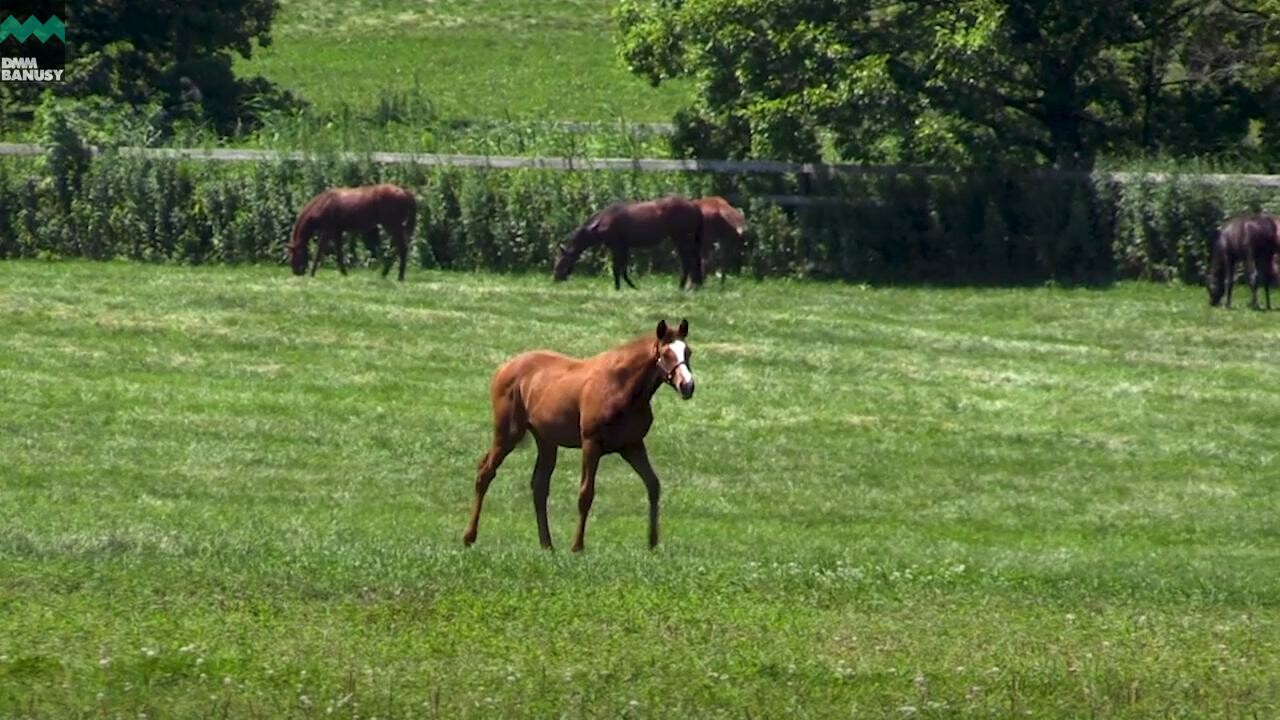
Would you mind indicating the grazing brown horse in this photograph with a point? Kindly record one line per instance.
(722, 224)
(1253, 240)
(361, 210)
(600, 404)
(625, 225)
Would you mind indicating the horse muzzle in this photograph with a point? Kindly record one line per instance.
(686, 389)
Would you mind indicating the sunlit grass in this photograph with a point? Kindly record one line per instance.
(228, 490)
(518, 59)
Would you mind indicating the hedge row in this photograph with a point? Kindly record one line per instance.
(944, 229)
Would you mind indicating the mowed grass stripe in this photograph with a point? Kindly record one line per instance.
(231, 488)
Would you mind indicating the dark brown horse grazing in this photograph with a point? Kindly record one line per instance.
(600, 404)
(625, 225)
(1253, 240)
(361, 210)
(722, 225)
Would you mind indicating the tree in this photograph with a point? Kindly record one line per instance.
(960, 81)
(176, 53)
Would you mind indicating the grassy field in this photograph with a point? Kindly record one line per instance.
(232, 492)
(541, 59)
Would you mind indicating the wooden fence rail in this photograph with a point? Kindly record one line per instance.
(735, 167)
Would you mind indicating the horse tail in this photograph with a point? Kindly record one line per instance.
(510, 416)
(518, 419)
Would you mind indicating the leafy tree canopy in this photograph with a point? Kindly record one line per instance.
(177, 55)
(964, 81)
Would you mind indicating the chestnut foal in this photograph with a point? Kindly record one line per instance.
(600, 404)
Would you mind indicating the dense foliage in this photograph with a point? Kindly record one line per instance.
(994, 227)
(967, 82)
(173, 57)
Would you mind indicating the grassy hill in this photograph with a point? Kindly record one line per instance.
(525, 59)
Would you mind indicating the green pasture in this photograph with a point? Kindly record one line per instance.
(517, 59)
(226, 491)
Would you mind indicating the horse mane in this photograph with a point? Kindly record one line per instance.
(306, 219)
(584, 237)
(624, 361)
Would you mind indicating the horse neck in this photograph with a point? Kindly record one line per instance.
(301, 230)
(581, 240)
(638, 369)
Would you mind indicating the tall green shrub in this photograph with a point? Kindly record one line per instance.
(970, 228)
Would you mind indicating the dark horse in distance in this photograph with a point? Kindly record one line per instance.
(625, 225)
(1253, 240)
(361, 210)
(600, 404)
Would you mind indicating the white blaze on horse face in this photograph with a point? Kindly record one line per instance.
(683, 375)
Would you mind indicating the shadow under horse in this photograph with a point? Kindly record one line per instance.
(633, 224)
(600, 404)
(361, 210)
(1250, 239)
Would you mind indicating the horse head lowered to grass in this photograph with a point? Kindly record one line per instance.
(600, 404)
(723, 227)
(626, 225)
(1250, 239)
(360, 209)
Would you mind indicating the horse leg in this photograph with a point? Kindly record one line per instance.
(697, 266)
(696, 259)
(315, 262)
(388, 259)
(690, 265)
(402, 247)
(587, 490)
(1231, 280)
(373, 244)
(708, 260)
(638, 457)
(339, 254)
(1266, 281)
(506, 434)
(1253, 285)
(621, 257)
(541, 484)
(1215, 279)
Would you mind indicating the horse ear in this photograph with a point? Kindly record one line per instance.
(684, 329)
(662, 330)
